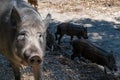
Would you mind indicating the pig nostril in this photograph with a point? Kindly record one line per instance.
(38, 61)
(32, 61)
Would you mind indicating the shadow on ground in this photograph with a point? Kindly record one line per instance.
(58, 67)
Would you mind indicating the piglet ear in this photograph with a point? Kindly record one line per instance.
(47, 20)
(15, 17)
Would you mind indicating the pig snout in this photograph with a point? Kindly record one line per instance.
(33, 56)
(34, 60)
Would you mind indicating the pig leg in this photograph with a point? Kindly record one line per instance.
(16, 71)
(79, 37)
(60, 38)
(56, 36)
(71, 38)
(73, 55)
(105, 70)
(82, 58)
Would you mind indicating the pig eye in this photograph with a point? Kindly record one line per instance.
(39, 34)
(21, 36)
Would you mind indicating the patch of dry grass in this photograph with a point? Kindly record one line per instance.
(76, 5)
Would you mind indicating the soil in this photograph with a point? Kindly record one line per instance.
(103, 22)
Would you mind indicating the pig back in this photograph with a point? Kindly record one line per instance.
(74, 29)
(92, 52)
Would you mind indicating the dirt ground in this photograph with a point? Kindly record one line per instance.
(103, 21)
(102, 18)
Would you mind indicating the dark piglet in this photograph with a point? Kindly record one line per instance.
(83, 48)
(51, 45)
(22, 36)
(34, 3)
(50, 41)
(71, 29)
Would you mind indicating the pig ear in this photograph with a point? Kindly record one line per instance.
(47, 20)
(15, 17)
